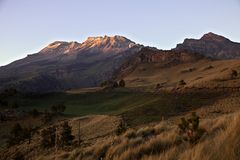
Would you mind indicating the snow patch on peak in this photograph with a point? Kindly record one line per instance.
(55, 44)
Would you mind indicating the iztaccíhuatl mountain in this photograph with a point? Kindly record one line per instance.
(64, 65)
(68, 65)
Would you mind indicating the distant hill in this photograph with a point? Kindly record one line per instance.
(212, 45)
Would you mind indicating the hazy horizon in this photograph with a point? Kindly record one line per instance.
(28, 26)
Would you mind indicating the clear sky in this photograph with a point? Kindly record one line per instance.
(26, 26)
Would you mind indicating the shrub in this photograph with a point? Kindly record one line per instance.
(16, 135)
(110, 84)
(158, 86)
(13, 105)
(34, 113)
(46, 118)
(58, 109)
(146, 132)
(208, 67)
(27, 132)
(104, 83)
(121, 83)
(115, 85)
(18, 156)
(131, 133)
(48, 136)
(122, 127)
(182, 83)
(75, 154)
(66, 137)
(101, 150)
(234, 74)
(189, 129)
(9, 92)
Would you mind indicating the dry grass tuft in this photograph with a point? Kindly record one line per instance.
(221, 143)
(158, 142)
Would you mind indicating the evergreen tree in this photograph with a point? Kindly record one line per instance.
(66, 136)
(48, 137)
(122, 127)
(47, 117)
(121, 83)
(234, 74)
(16, 135)
(54, 109)
(34, 113)
(61, 108)
(58, 109)
(115, 85)
(28, 133)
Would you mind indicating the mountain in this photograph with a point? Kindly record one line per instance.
(70, 65)
(106, 45)
(212, 45)
(66, 65)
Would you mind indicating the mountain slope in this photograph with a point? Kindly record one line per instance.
(64, 65)
(212, 45)
(70, 65)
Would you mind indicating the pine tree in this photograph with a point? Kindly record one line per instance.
(48, 137)
(16, 135)
(122, 127)
(234, 74)
(121, 83)
(66, 136)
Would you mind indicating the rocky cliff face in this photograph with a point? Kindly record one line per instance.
(65, 65)
(212, 45)
(166, 58)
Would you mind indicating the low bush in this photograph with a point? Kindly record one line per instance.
(189, 129)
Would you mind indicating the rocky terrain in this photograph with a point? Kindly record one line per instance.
(66, 65)
(212, 45)
(70, 65)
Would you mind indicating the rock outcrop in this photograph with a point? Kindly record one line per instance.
(212, 45)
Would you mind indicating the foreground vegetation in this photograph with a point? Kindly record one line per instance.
(161, 142)
(139, 125)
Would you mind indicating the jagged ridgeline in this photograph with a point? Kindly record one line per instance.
(69, 65)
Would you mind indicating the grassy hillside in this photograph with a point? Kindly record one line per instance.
(159, 142)
(204, 73)
(149, 142)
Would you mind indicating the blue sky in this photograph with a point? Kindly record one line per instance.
(26, 26)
